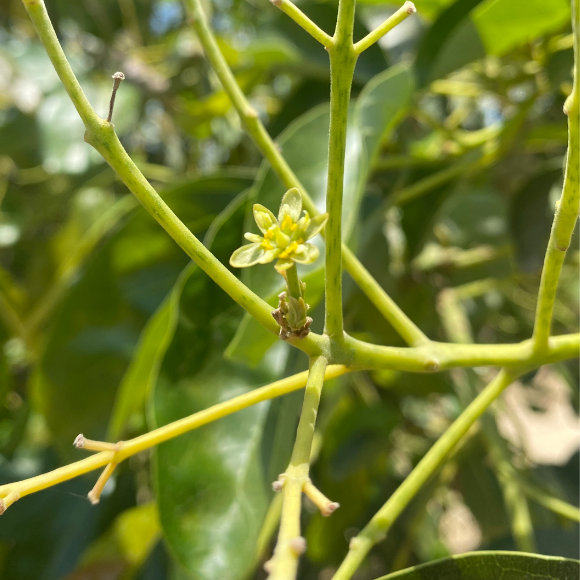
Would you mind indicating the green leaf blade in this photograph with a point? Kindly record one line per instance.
(492, 566)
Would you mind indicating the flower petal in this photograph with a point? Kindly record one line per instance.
(264, 217)
(282, 240)
(291, 205)
(315, 225)
(302, 224)
(255, 238)
(305, 254)
(283, 265)
(268, 256)
(247, 255)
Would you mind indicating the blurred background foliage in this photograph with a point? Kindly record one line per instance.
(456, 147)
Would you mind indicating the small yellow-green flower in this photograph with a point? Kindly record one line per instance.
(283, 238)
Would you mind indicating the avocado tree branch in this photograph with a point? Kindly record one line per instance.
(110, 453)
(342, 62)
(567, 207)
(391, 311)
(290, 545)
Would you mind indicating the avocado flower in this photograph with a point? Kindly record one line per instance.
(283, 238)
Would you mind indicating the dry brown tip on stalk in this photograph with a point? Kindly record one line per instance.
(409, 7)
(117, 78)
(279, 483)
(298, 545)
(276, 2)
(81, 442)
(7, 501)
(330, 508)
(325, 506)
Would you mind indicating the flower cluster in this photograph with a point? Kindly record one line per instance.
(283, 238)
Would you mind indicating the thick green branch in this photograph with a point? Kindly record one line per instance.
(438, 356)
(37, 11)
(342, 63)
(567, 208)
(379, 525)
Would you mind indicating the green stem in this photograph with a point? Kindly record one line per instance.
(305, 433)
(284, 562)
(379, 525)
(458, 329)
(423, 186)
(394, 315)
(404, 12)
(162, 434)
(567, 208)
(247, 113)
(106, 142)
(37, 12)
(342, 63)
(303, 21)
(438, 356)
(293, 282)
(554, 504)
(515, 501)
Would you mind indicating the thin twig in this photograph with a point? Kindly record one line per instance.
(303, 21)
(401, 14)
(117, 78)
(290, 544)
(115, 454)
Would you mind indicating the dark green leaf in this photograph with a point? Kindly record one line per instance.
(97, 325)
(492, 566)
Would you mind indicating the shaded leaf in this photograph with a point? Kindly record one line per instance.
(210, 488)
(97, 325)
